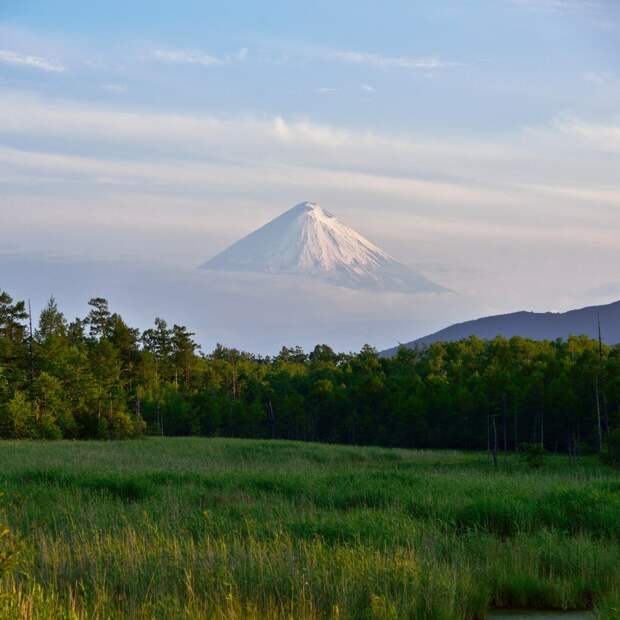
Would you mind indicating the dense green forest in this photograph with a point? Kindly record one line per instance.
(97, 377)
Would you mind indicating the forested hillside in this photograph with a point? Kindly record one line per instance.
(97, 377)
(534, 325)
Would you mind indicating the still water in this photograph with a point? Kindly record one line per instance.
(541, 615)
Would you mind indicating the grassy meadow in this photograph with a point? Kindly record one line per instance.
(222, 528)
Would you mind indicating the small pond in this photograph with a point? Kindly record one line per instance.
(541, 615)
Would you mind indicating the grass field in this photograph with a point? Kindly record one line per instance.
(215, 528)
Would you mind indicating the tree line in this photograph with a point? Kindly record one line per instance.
(97, 377)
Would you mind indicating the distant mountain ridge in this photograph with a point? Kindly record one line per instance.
(309, 241)
(534, 325)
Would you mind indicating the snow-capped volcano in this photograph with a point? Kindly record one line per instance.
(309, 241)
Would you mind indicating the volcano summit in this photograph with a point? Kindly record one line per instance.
(309, 241)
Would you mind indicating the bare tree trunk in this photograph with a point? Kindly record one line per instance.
(516, 434)
(578, 442)
(272, 418)
(605, 411)
(494, 441)
(598, 415)
(30, 353)
(234, 381)
(488, 433)
(504, 423)
(600, 369)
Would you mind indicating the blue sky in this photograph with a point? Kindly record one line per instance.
(476, 140)
(528, 58)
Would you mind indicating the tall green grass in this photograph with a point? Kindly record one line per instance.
(210, 528)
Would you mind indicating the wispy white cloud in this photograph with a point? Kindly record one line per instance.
(9, 57)
(405, 62)
(600, 77)
(201, 177)
(598, 136)
(198, 57)
(368, 88)
(511, 173)
(603, 15)
(604, 81)
(190, 57)
(559, 6)
(490, 205)
(118, 89)
(325, 90)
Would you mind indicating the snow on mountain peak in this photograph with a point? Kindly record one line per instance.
(307, 206)
(310, 208)
(309, 241)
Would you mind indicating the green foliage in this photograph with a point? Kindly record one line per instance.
(55, 416)
(533, 454)
(125, 487)
(611, 454)
(21, 419)
(225, 528)
(24, 419)
(99, 378)
(9, 550)
(64, 383)
(593, 509)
